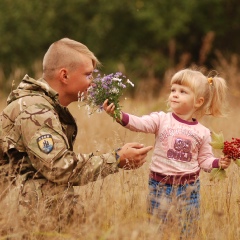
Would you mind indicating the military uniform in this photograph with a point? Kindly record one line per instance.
(36, 138)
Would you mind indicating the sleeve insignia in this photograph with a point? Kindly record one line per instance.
(45, 143)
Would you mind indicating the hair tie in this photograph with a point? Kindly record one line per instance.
(210, 80)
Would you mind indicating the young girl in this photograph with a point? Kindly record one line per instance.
(182, 144)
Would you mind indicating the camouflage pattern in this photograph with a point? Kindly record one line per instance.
(36, 139)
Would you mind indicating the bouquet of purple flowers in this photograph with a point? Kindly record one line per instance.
(109, 87)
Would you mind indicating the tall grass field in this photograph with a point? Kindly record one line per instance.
(115, 207)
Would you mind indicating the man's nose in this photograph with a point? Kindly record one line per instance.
(90, 78)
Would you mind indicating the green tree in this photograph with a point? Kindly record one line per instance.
(141, 37)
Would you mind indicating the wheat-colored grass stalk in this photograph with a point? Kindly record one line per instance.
(115, 207)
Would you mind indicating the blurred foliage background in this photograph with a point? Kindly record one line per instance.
(148, 40)
(141, 38)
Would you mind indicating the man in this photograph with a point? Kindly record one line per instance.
(37, 134)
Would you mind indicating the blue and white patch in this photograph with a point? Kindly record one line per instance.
(45, 143)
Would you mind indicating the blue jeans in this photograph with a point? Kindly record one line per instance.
(174, 203)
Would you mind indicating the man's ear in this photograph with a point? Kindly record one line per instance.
(63, 74)
(199, 102)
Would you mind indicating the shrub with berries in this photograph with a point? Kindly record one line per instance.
(232, 149)
(229, 148)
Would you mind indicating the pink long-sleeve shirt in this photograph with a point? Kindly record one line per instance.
(181, 149)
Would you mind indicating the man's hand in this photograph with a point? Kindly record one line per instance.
(132, 155)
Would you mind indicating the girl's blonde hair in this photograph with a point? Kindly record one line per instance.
(212, 89)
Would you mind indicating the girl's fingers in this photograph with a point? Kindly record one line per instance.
(105, 106)
(112, 106)
(108, 108)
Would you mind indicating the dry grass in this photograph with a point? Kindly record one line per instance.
(119, 202)
(115, 207)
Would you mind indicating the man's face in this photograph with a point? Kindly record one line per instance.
(79, 79)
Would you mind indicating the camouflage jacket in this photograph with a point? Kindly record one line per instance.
(37, 136)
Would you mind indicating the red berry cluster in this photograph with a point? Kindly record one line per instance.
(232, 149)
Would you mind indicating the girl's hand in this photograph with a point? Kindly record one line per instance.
(224, 162)
(109, 109)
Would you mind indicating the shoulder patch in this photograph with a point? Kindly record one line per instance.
(45, 143)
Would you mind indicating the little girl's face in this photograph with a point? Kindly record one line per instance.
(181, 99)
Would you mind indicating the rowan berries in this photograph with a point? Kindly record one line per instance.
(232, 149)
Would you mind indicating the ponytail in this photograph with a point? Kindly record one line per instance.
(218, 100)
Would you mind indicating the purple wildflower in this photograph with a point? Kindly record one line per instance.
(109, 87)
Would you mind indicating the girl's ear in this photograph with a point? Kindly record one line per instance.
(199, 102)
